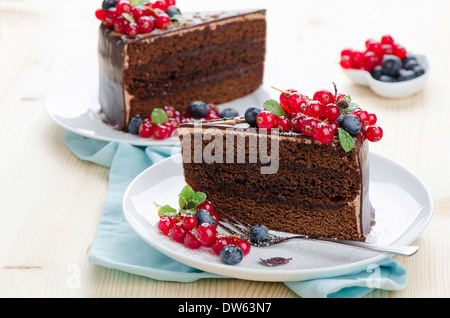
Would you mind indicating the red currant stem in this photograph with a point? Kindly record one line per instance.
(335, 92)
(288, 93)
(280, 90)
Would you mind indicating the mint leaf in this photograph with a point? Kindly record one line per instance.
(159, 116)
(274, 107)
(189, 199)
(139, 2)
(128, 17)
(166, 210)
(351, 107)
(179, 18)
(347, 141)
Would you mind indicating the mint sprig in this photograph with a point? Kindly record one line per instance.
(166, 210)
(346, 140)
(159, 116)
(274, 107)
(188, 199)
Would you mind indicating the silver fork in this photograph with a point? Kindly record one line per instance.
(242, 229)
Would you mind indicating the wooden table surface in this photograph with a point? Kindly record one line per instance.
(51, 201)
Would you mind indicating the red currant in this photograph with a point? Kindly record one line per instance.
(169, 3)
(110, 17)
(400, 52)
(189, 222)
(283, 123)
(363, 116)
(374, 46)
(207, 205)
(120, 24)
(159, 5)
(178, 232)
(387, 39)
(146, 128)
(323, 133)
(213, 112)
(372, 119)
(138, 11)
(123, 6)
(374, 133)
(165, 224)
(220, 242)
(346, 52)
(346, 62)
(162, 21)
(334, 125)
(331, 112)
(100, 14)
(296, 103)
(162, 131)
(387, 49)
(206, 234)
(266, 120)
(308, 126)
(284, 98)
(296, 122)
(357, 59)
(242, 243)
(314, 108)
(324, 96)
(371, 59)
(146, 24)
(132, 29)
(191, 240)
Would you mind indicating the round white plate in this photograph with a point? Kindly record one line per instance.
(391, 90)
(72, 102)
(403, 209)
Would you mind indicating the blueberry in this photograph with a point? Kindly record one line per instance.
(340, 118)
(107, 4)
(418, 70)
(173, 10)
(231, 254)
(377, 72)
(198, 109)
(406, 75)
(352, 124)
(251, 114)
(133, 125)
(391, 65)
(408, 58)
(387, 78)
(228, 113)
(203, 216)
(259, 232)
(409, 65)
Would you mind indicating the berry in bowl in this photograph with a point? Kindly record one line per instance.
(386, 67)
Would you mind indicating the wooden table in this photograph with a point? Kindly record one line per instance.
(52, 201)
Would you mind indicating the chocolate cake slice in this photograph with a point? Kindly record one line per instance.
(283, 180)
(216, 57)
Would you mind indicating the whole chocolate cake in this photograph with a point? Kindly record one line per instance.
(214, 56)
(290, 179)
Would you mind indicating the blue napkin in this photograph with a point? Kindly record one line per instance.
(117, 246)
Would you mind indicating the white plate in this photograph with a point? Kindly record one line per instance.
(72, 102)
(391, 90)
(403, 209)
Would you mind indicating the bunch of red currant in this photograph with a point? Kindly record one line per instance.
(372, 55)
(195, 231)
(320, 117)
(162, 122)
(132, 20)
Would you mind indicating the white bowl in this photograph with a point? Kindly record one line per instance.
(395, 89)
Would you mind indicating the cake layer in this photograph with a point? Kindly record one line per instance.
(296, 183)
(339, 221)
(213, 57)
(216, 89)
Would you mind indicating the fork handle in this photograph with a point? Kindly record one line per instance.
(390, 249)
